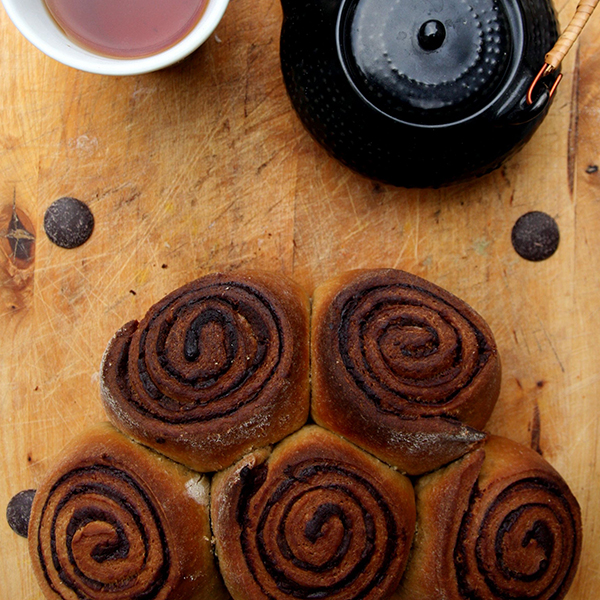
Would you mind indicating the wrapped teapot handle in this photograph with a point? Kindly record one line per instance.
(565, 42)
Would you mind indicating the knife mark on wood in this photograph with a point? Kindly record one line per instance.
(573, 126)
(536, 429)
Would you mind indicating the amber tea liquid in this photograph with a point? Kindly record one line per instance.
(126, 28)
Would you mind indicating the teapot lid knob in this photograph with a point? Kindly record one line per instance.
(426, 61)
(431, 35)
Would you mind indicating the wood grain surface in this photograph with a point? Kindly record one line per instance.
(204, 166)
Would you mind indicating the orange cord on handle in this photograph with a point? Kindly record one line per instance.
(545, 70)
(565, 42)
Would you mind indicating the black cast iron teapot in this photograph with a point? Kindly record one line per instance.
(420, 93)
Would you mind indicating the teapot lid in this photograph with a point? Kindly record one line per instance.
(426, 61)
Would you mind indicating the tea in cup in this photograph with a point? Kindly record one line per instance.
(116, 37)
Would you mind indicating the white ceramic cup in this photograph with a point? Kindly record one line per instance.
(32, 19)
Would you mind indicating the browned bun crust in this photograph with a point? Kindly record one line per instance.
(113, 520)
(215, 369)
(316, 518)
(498, 524)
(402, 368)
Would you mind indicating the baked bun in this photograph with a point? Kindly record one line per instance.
(498, 524)
(116, 521)
(215, 369)
(401, 368)
(316, 518)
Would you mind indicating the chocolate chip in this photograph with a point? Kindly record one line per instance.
(68, 222)
(535, 236)
(18, 511)
(592, 169)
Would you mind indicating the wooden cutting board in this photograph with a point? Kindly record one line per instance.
(205, 166)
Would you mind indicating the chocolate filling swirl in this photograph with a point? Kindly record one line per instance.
(402, 368)
(403, 345)
(313, 499)
(203, 354)
(522, 542)
(498, 524)
(100, 536)
(321, 528)
(216, 368)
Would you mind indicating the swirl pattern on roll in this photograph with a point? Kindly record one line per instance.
(390, 348)
(516, 529)
(224, 348)
(325, 489)
(115, 521)
(523, 542)
(310, 523)
(103, 518)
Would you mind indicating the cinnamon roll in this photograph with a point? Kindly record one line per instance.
(401, 368)
(215, 369)
(116, 521)
(498, 524)
(316, 518)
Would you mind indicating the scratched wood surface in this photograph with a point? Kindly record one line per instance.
(204, 166)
